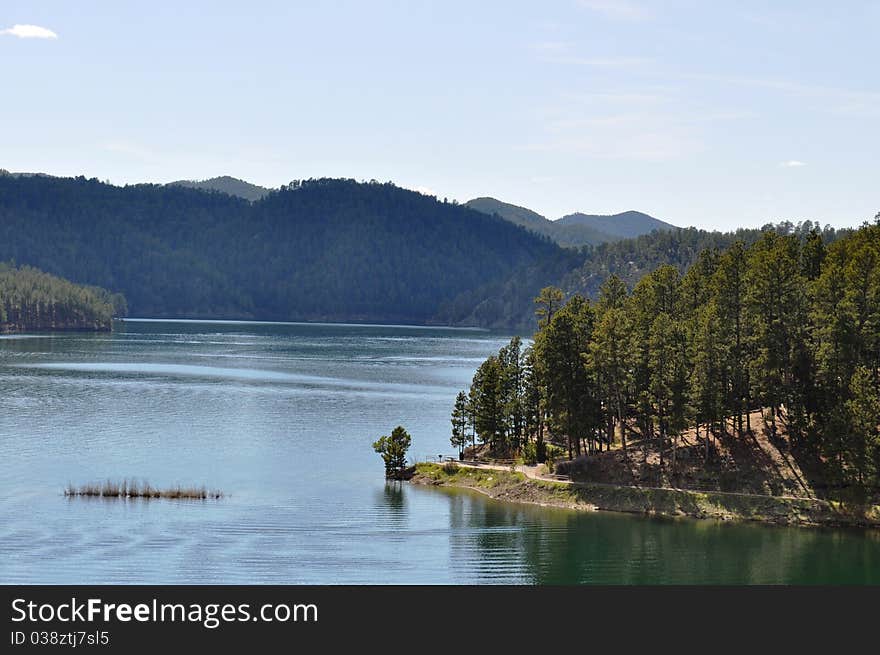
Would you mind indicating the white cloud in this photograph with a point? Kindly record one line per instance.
(425, 191)
(30, 32)
(616, 9)
(792, 163)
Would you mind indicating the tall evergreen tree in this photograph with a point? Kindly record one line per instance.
(488, 403)
(459, 423)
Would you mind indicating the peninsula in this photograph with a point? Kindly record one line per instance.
(34, 301)
(745, 387)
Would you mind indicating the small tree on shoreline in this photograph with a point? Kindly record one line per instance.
(393, 451)
(459, 423)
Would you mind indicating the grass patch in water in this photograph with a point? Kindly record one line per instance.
(133, 489)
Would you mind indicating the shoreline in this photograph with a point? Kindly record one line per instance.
(7, 328)
(515, 487)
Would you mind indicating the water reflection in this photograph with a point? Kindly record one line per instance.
(506, 542)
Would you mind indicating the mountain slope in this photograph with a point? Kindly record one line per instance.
(577, 229)
(33, 300)
(513, 213)
(569, 235)
(509, 303)
(319, 250)
(225, 184)
(625, 225)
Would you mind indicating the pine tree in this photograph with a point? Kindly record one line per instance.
(776, 305)
(572, 408)
(510, 358)
(863, 447)
(548, 301)
(610, 358)
(488, 403)
(707, 382)
(459, 423)
(393, 450)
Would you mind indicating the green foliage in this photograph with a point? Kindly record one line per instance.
(225, 184)
(488, 402)
(322, 250)
(314, 250)
(508, 302)
(499, 405)
(33, 300)
(460, 416)
(574, 229)
(862, 448)
(569, 385)
(393, 450)
(549, 300)
(785, 324)
(530, 453)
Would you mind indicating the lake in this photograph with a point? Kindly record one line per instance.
(281, 417)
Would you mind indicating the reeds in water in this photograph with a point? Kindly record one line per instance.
(135, 489)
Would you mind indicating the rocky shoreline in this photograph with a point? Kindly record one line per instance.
(515, 487)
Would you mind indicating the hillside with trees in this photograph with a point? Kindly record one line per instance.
(624, 225)
(574, 230)
(507, 303)
(314, 250)
(231, 186)
(333, 250)
(757, 368)
(32, 300)
(565, 235)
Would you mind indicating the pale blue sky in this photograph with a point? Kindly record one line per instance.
(715, 114)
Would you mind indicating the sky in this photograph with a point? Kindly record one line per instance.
(712, 114)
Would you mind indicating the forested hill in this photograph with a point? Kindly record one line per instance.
(509, 303)
(625, 225)
(565, 235)
(775, 342)
(316, 250)
(574, 230)
(33, 300)
(225, 184)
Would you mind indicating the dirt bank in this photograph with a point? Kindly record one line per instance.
(514, 486)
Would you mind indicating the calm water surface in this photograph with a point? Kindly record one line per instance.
(281, 418)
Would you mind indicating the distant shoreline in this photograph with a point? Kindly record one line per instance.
(249, 321)
(515, 487)
(6, 328)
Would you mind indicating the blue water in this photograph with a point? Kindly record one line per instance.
(281, 417)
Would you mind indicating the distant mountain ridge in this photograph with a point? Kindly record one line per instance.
(513, 213)
(227, 184)
(329, 249)
(3, 171)
(625, 225)
(326, 249)
(577, 229)
(231, 186)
